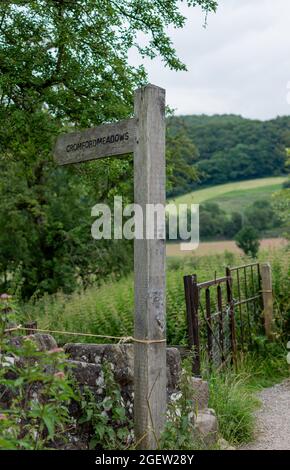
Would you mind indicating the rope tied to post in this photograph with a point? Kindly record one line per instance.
(122, 339)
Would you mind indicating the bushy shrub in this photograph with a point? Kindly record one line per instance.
(262, 216)
(35, 392)
(248, 240)
(286, 184)
(213, 222)
(180, 433)
(41, 403)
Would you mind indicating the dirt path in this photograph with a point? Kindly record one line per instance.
(273, 419)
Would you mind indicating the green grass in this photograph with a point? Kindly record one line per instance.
(234, 402)
(233, 196)
(233, 394)
(239, 200)
(108, 309)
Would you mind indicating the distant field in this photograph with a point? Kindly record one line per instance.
(237, 201)
(234, 196)
(219, 247)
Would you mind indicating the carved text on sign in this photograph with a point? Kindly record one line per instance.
(99, 142)
(110, 139)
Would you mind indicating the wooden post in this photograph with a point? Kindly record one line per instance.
(232, 322)
(191, 301)
(149, 269)
(145, 136)
(266, 277)
(30, 327)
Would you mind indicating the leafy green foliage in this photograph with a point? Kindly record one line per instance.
(181, 156)
(262, 216)
(38, 394)
(52, 244)
(110, 426)
(109, 309)
(281, 287)
(179, 433)
(282, 207)
(35, 393)
(232, 148)
(224, 209)
(64, 66)
(215, 223)
(248, 240)
(286, 184)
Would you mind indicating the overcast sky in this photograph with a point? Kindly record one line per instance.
(239, 64)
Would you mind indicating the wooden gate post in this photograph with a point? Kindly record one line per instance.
(149, 269)
(30, 327)
(191, 301)
(232, 321)
(267, 291)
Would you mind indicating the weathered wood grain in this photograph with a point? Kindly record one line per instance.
(149, 269)
(99, 142)
(145, 135)
(267, 290)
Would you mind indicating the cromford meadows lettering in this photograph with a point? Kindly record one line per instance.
(87, 144)
(107, 140)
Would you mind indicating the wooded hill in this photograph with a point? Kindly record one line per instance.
(230, 148)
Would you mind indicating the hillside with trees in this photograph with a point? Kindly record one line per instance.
(231, 148)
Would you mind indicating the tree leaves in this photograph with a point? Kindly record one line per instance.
(64, 66)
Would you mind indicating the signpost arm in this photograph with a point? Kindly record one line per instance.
(146, 135)
(149, 269)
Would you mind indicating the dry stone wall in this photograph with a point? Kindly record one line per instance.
(87, 367)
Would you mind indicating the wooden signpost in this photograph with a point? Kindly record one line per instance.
(103, 141)
(145, 136)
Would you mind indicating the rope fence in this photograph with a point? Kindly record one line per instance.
(122, 339)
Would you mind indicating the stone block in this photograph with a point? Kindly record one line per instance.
(44, 342)
(200, 392)
(206, 426)
(121, 358)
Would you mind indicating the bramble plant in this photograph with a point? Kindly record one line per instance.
(180, 431)
(35, 391)
(110, 426)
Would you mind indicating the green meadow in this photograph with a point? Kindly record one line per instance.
(234, 196)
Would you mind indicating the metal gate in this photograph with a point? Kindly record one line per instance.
(223, 314)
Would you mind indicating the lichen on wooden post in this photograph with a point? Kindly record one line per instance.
(149, 268)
